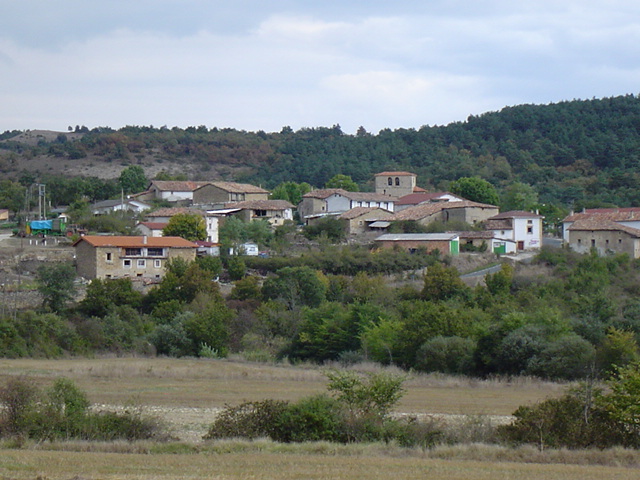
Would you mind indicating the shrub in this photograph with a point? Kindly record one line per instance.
(248, 420)
(18, 399)
(317, 418)
(447, 355)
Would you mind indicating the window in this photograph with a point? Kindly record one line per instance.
(593, 242)
(133, 252)
(126, 263)
(107, 276)
(397, 181)
(260, 213)
(109, 257)
(530, 229)
(142, 263)
(138, 275)
(155, 252)
(157, 263)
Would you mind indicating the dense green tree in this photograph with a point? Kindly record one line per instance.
(475, 189)
(342, 181)
(296, 287)
(12, 195)
(103, 295)
(442, 282)
(133, 179)
(186, 225)
(56, 285)
(519, 196)
(290, 191)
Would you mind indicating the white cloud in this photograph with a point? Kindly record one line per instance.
(311, 64)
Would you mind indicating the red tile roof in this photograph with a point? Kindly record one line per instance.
(418, 197)
(177, 186)
(427, 209)
(395, 174)
(260, 205)
(611, 214)
(359, 211)
(233, 187)
(600, 224)
(515, 214)
(135, 241)
(324, 193)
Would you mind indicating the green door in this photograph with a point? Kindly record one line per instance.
(454, 247)
(500, 248)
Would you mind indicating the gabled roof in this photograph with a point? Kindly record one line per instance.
(177, 186)
(599, 224)
(171, 211)
(427, 209)
(260, 205)
(325, 193)
(420, 197)
(612, 214)
(473, 235)
(359, 211)
(135, 241)
(515, 214)
(154, 225)
(395, 174)
(233, 187)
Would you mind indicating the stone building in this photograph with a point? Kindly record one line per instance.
(103, 257)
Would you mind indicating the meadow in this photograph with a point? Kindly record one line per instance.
(186, 393)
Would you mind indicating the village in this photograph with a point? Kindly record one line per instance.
(365, 216)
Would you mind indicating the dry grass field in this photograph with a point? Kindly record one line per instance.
(186, 393)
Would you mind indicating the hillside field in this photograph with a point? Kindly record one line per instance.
(186, 393)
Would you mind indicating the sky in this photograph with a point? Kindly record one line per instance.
(262, 65)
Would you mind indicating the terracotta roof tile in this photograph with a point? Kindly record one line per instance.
(359, 211)
(260, 204)
(397, 174)
(601, 224)
(427, 209)
(177, 186)
(515, 214)
(233, 187)
(135, 241)
(611, 214)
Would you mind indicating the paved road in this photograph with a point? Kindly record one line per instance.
(483, 272)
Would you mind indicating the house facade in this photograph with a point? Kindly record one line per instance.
(465, 211)
(276, 212)
(445, 243)
(336, 201)
(395, 184)
(163, 215)
(419, 198)
(110, 206)
(516, 231)
(358, 220)
(151, 229)
(174, 191)
(628, 217)
(218, 193)
(129, 256)
(603, 236)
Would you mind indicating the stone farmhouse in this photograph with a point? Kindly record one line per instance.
(419, 198)
(101, 256)
(465, 211)
(607, 230)
(219, 193)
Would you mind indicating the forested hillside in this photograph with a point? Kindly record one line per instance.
(573, 154)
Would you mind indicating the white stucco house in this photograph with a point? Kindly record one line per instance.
(515, 231)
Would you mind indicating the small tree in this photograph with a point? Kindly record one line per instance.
(56, 285)
(475, 189)
(368, 394)
(132, 179)
(342, 181)
(186, 225)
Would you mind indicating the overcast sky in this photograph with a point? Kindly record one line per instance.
(261, 65)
